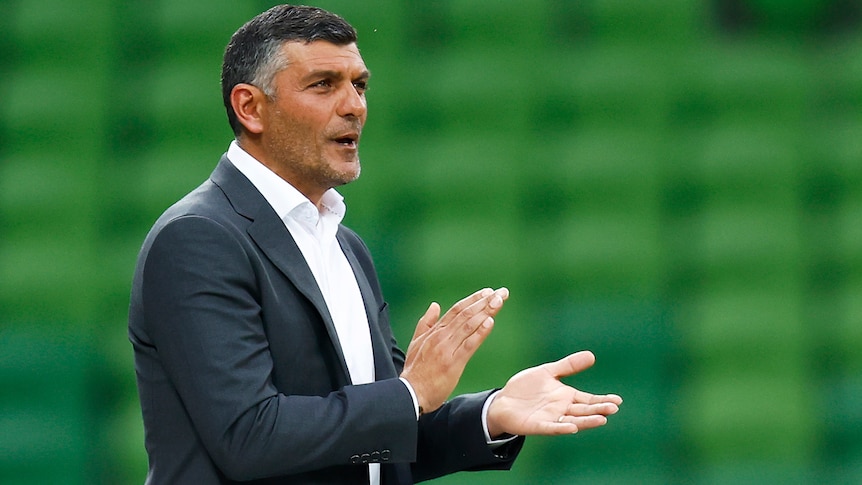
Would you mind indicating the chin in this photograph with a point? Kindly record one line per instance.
(352, 171)
(345, 177)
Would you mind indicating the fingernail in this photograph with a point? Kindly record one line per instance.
(496, 302)
(488, 323)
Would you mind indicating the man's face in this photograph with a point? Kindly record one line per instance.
(313, 124)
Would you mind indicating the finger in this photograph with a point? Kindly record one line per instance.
(464, 304)
(582, 397)
(489, 302)
(471, 316)
(605, 409)
(606, 398)
(587, 422)
(562, 425)
(428, 320)
(468, 328)
(583, 422)
(474, 323)
(471, 342)
(588, 398)
(571, 364)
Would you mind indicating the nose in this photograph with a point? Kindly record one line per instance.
(352, 103)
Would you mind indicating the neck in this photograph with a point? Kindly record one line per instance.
(254, 148)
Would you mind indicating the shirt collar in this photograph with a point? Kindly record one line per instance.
(284, 198)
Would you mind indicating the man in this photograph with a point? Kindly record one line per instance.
(263, 350)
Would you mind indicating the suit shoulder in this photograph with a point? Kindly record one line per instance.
(204, 210)
(206, 200)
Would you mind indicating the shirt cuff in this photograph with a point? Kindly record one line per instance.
(416, 400)
(494, 444)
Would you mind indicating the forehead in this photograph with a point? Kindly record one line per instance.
(304, 58)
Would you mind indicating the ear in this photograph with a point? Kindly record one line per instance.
(247, 102)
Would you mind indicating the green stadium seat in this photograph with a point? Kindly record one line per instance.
(190, 31)
(472, 23)
(750, 159)
(600, 158)
(52, 32)
(42, 100)
(600, 251)
(764, 80)
(751, 239)
(185, 104)
(652, 21)
(614, 85)
(775, 426)
(849, 237)
(44, 413)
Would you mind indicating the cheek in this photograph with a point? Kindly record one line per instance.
(303, 125)
(296, 131)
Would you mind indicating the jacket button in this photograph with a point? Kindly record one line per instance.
(364, 458)
(375, 457)
(354, 459)
(384, 455)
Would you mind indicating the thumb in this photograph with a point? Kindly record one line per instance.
(571, 364)
(432, 314)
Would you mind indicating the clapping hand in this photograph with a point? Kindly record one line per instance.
(441, 347)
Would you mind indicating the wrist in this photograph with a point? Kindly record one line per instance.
(416, 407)
(491, 420)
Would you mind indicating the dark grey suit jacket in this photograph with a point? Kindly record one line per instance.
(240, 372)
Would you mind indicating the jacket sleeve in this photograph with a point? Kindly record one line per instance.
(199, 296)
(451, 439)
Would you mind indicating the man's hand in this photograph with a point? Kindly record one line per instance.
(535, 402)
(441, 347)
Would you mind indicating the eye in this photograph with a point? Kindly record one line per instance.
(361, 86)
(323, 83)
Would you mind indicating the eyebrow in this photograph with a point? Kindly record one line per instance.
(338, 75)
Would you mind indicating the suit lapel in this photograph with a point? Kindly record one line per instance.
(273, 238)
(383, 367)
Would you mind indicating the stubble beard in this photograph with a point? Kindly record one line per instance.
(307, 164)
(325, 175)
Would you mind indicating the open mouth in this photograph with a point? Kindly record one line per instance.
(347, 140)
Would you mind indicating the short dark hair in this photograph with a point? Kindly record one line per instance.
(254, 55)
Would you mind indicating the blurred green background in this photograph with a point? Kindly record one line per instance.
(673, 184)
